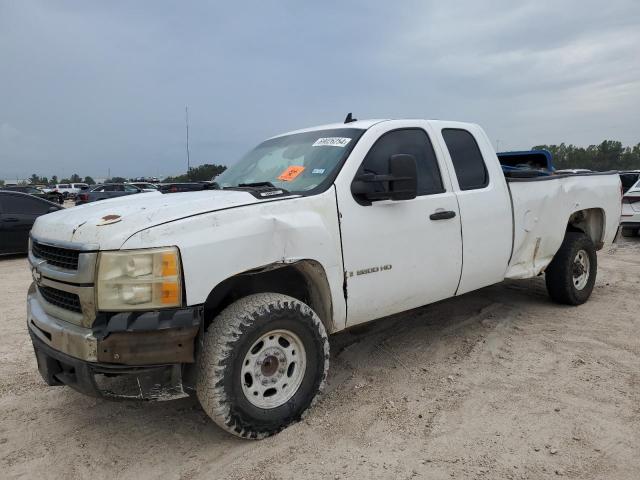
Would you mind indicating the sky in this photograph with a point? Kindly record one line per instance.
(93, 87)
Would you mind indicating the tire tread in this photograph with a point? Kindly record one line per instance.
(558, 275)
(219, 344)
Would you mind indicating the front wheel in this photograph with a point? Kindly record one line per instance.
(263, 361)
(571, 275)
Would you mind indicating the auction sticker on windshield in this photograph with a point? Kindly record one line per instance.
(291, 173)
(331, 142)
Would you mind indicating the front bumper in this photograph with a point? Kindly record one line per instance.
(65, 337)
(125, 355)
(140, 338)
(151, 382)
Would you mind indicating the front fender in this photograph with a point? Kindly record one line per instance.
(218, 245)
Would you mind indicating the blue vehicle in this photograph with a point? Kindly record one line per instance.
(526, 163)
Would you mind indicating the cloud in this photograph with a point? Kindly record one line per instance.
(91, 86)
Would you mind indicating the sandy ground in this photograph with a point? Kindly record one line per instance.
(500, 383)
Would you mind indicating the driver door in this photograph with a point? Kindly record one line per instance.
(399, 255)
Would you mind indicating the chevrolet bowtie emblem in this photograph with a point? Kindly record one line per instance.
(37, 275)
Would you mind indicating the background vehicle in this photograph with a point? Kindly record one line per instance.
(108, 190)
(525, 163)
(147, 187)
(184, 187)
(70, 190)
(18, 212)
(629, 179)
(630, 218)
(232, 292)
(52, 196)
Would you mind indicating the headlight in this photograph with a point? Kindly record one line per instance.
(139, 279)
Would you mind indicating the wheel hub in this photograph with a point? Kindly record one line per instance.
(580, 270)
(273, 369)
(269, 366)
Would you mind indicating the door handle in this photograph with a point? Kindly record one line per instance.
(442, 215)
(11, 219)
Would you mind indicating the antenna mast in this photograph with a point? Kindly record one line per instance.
(186, 119)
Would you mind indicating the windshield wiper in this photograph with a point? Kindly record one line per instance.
(260, 189)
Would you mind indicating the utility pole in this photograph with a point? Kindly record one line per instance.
(186, 119)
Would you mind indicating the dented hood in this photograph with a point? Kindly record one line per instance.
(107, 224)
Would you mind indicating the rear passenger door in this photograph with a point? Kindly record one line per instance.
(403, 254)
(485, 206)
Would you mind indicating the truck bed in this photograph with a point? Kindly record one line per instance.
(542, 207)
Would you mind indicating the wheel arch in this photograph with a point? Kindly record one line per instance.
(305, 280)
(591, 222)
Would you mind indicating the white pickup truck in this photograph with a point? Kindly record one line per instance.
(230, 293)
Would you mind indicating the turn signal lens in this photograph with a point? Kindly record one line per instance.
(170, 293)
(169, 264)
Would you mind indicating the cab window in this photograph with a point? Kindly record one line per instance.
(466, 158)
(412, 141)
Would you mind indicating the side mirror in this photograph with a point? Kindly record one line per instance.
(400, 184)
(53, 209)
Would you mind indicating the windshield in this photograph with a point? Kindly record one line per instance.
(297, 163)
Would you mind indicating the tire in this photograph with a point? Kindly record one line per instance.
(629, 231)
(232, 362)
(565, 275)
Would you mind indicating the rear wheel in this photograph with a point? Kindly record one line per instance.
(263, 361)
(571, 275)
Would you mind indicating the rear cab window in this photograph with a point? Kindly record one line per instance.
(466, 158)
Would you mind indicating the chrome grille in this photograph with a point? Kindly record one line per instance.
(60, 298)
(57, 256)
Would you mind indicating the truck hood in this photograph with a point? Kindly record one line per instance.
(107, 224)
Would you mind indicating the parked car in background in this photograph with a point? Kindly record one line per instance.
(526, 163)
(147, 187)
(185, 187)
(629, 179)
(70, 190)
(18, 212)
(52, 195)
(630, 218)
(107, 190)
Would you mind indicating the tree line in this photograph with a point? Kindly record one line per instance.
(197, 174)
(608, 155)
(200, 173)
(35, 179)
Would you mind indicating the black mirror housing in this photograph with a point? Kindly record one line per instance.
(404, 171)
(400, 184)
